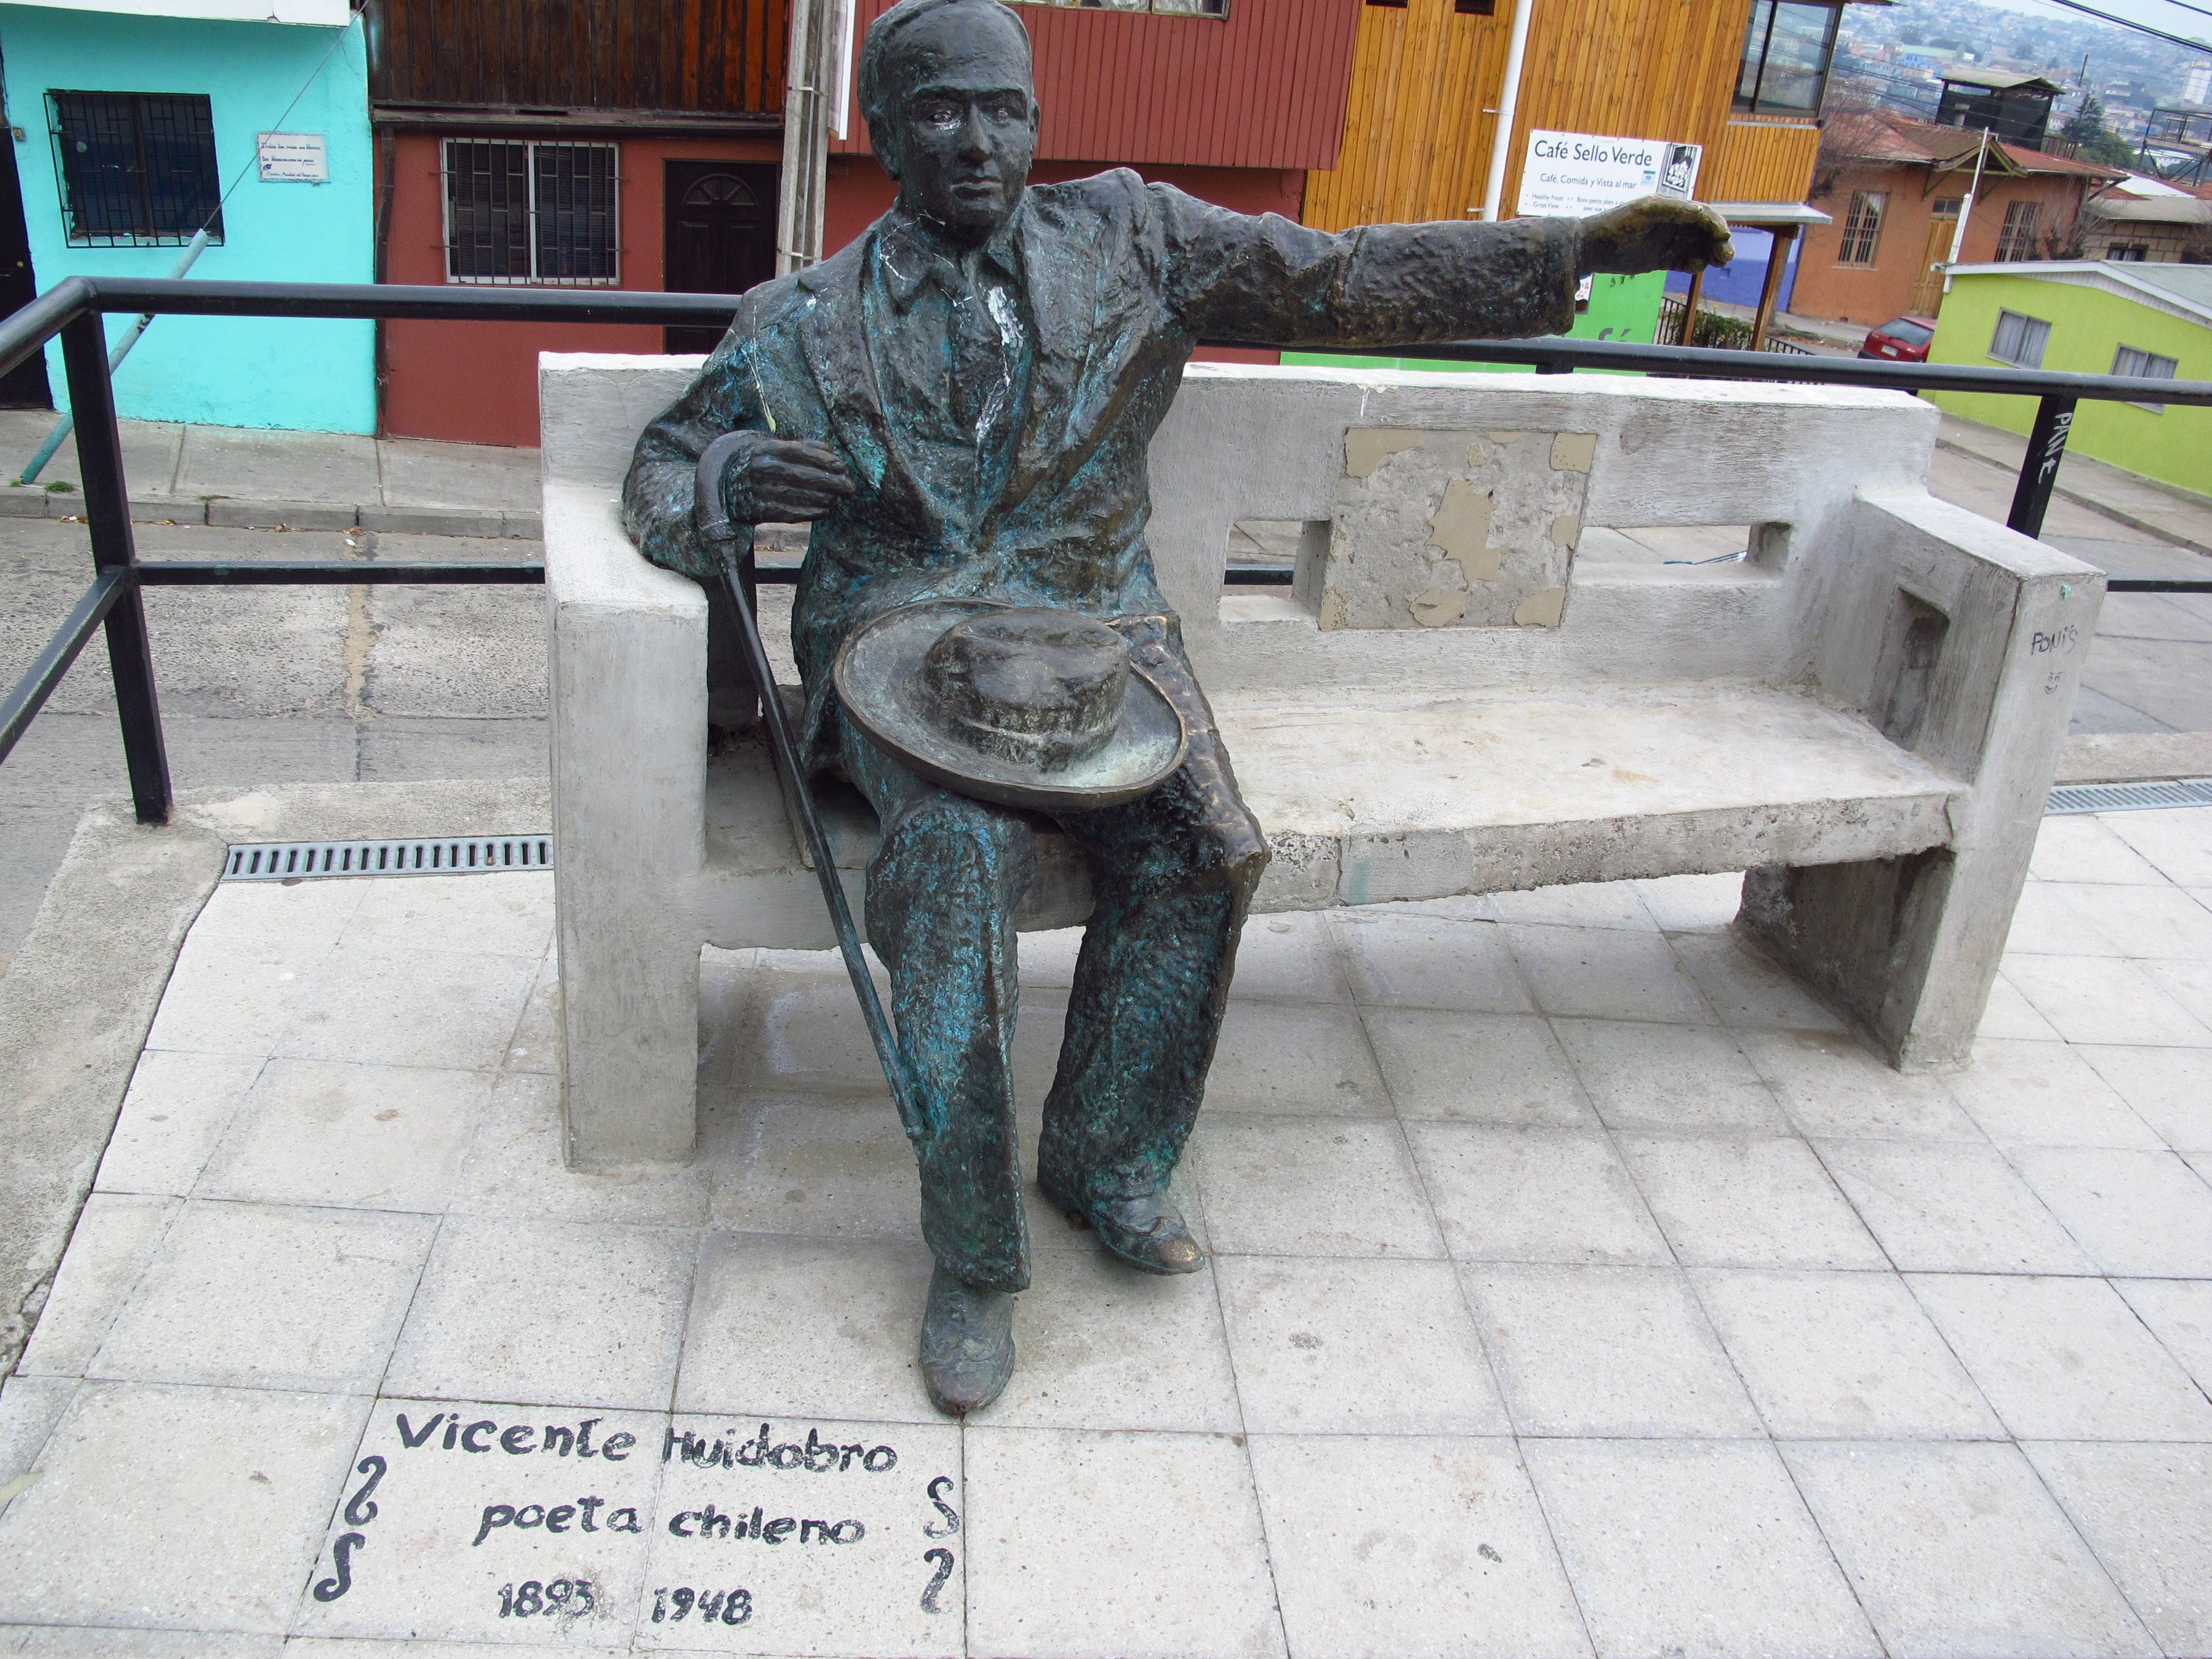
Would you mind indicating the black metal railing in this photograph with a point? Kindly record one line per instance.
(73, 309)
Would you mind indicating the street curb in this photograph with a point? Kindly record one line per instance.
(2134, 757)
(2105, 508)
(235, 512)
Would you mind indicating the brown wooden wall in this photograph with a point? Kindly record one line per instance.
(708, 56)
(1417, 134)
(1263, 87)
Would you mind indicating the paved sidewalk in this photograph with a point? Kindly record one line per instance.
(237, 478)
(1577, 1286)
(2179, 515)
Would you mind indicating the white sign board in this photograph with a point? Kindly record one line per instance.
(293, 158)
(1569, 174)
(839, 81)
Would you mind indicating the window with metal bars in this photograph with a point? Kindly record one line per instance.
(1863, 227)
(2017, 239)
(518, 211)
(136, 168)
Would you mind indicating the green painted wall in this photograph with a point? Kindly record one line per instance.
(245, 371)
(1620, 308)
(2088, 325)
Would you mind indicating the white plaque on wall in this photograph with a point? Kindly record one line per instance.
(293, 158)
(1569, 174)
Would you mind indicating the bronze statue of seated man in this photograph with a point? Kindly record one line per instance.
(961, 401)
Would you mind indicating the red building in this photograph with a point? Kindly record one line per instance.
(563, 144)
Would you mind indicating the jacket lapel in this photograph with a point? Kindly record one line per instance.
(832, 336)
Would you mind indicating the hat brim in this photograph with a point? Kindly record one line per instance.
(880, 685)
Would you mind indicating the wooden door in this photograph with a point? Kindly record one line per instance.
(721, 235)
(1942, 225)
(25, 386)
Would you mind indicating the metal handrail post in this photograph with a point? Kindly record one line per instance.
(107, 515)
(2038, 468)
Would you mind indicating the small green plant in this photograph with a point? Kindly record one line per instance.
(60, 486)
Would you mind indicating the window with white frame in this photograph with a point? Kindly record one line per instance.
(2017, 239)
(518, 211)
(1863, 227)
(2144, 366)
(2020, 340)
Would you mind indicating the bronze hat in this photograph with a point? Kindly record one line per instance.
(1026, 707)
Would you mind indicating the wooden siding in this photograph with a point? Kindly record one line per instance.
(704, 57)
(1265, 87)
(1419, 127)
(1761, 161)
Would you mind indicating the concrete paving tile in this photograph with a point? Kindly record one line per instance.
(316, 1647)
(323, 466)
(2176, 842)
(29, 1408)
(1603, 974)
(2009, 1014)
(364, 1137)
(2146, 1512)
(231, 652)
(1506, 1194)
(446, 1009)
(839, 1564)
(801, 1327)
(1957, 1551)
(1476, 1068)
(1841, 1356)
(1668, 1077)
(1692, 904)
(1745, 988)
(1410, 960)
(229, 998)
(2032, 1094)
(391, 749)
(812, 1165)
(1695, 1549)
(307, 916)
(513, 1168)
(1103, 1347)
(1748, 1201)
(92, 1642)
(114, 1239)
(2188, 983)
(1041, 1502)
(2044, 924)
(264, 1296)
(1578, 904)
(2180, 1314)
(1834, 1086)
(506, 915)
(536, 1045)
(2099, 999)
(1275, 1186)
(440, 650)
(1289, 958)
(1305, 1061)
(1357, 1347)
(173, 1116)
(2146, 921)
(2138, 1214)
(226, 1493)
(1621, 1353)
(1937, 1207)
(1409, 1548)
(417, 472)
(449, 1501)
(2063, 1359)
(556, 1313)
(2082, 846)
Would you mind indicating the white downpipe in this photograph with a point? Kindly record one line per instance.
(1965, 211)
(1509, 106)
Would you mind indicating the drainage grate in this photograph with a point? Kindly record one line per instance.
(460, 855)
(2128, 797)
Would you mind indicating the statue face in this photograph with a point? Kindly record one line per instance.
(962, 119)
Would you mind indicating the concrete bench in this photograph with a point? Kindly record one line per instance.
(1865, 712)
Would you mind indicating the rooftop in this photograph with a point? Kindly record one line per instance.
(1874, 136)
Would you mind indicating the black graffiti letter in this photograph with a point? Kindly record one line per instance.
(330, 1589)
(951, 1516)
(944, 1560)
(360, 1511)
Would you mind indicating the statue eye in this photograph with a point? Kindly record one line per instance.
(937, 112)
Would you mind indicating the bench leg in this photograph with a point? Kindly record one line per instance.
(1906, 947)
(629, 1038)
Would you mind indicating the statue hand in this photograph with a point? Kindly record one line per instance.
(1656, 232)
(772, 480)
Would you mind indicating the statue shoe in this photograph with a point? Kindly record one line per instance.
(1146, 1231)
(967, 1343)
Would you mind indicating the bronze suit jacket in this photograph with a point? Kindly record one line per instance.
(1121, 279)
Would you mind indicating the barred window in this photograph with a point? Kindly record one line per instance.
(2020, 340)
(136, 168)
(2144, 366)
(2017, 239)
(1863, 227)
(518, 211)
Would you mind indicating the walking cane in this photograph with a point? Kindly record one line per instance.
(721, 539)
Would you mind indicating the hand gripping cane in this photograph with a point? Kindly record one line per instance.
(719, 538)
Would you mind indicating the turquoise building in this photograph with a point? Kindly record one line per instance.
(136, 122)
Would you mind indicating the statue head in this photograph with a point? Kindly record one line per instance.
(946, 89)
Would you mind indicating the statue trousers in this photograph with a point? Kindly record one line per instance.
(1172, 875)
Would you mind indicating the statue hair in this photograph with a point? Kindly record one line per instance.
(876, 50)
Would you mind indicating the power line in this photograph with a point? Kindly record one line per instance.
(2140, 28)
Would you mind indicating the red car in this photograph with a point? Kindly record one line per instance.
(1900, 340)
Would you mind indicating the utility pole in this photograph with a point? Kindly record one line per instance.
(818, 93)
(1966, 208)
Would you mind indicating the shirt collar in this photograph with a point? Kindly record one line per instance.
(907, 256)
